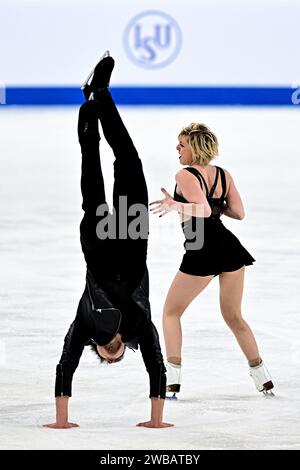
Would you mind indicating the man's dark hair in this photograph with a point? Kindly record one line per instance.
(103, 359)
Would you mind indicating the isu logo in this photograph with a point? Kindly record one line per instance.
(152, 39)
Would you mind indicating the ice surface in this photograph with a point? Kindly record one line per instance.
(42, 278)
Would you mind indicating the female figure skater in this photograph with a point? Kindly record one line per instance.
(203, 193)
(114, 310)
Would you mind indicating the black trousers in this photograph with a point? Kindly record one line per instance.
(118, 257)
(117, 273)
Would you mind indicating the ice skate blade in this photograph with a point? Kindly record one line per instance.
(173, 397)
(268, 393)
(86, 82)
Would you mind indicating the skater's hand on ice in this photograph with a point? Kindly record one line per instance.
(153, 424)
(163, 206)
(65, 425)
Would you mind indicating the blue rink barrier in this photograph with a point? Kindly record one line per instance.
(165, 96)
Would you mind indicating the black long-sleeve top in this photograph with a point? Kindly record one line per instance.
(136, 329)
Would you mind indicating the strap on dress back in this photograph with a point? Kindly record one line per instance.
(213, 188)
(201, 179)
(223, 181)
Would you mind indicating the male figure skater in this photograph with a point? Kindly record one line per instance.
(114, 310)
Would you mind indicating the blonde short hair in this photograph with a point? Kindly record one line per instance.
(203, 142)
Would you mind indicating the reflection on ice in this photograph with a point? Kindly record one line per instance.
(42, 278)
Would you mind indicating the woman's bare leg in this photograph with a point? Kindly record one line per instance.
(231, 292)
(182, 292)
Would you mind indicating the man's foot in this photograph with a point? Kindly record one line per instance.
(99, 78)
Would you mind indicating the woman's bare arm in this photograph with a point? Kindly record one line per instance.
(235, 208)
(190, 188)
(192, 192)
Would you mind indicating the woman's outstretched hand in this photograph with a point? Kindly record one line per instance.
(163, 206)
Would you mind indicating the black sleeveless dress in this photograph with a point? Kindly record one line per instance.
(210, 247)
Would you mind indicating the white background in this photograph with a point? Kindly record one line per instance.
(223, 42)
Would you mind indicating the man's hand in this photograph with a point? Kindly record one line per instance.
(65, 425)
(156, 420)
(153, 424)
(62, 421)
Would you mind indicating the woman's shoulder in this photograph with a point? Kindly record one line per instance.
(186, 173)
(182, 172)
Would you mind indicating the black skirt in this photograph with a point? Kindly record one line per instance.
(221, 251)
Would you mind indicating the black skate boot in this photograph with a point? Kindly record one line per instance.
(99, 77)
